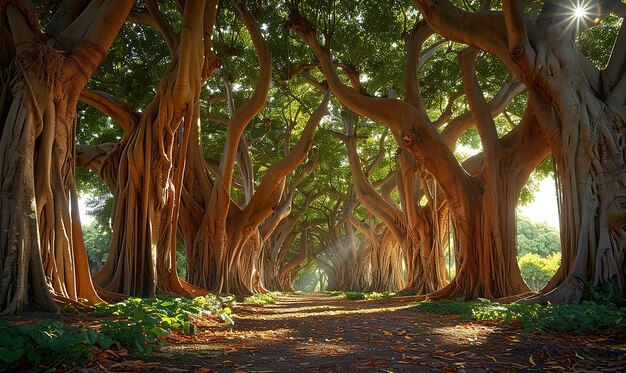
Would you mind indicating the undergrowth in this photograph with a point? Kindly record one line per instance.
(264, 299)
(585, 317)
(355, 295)
(141, 324)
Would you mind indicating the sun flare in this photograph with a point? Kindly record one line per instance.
(580, 12)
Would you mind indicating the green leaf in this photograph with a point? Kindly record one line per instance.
(11, 355)
(105, 340)
(90, 336)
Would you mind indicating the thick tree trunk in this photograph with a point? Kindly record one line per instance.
(427, 228)
(581, 112)
(42, 252)
(141, 247)
(590, 165)
(386, 265)
(147, 192)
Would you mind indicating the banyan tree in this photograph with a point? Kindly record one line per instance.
(43, 70)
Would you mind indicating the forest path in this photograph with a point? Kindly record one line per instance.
(320, 333)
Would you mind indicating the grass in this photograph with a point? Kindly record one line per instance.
(588, 316)
(355, 295)
(264, 299)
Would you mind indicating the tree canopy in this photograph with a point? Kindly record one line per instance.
(387, 145)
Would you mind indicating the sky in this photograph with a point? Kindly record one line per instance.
(544, 208)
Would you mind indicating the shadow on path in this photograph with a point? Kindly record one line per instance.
(320, 333)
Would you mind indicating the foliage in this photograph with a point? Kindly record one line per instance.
(536, 238)
(585, 317)
(97, 243)
(167, 312)
(355, 295)
(49, 342)
(143, 323)
(607, 292)
(262, 299)
(597, 42)
(537, 270)
(308, 280)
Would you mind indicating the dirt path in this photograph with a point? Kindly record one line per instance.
(319, 333)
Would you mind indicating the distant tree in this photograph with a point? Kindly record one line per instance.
(537, 270)
(97, 244)
(536, 238)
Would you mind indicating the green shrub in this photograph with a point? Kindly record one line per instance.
(49, 342)
(585, 317)
(537, 270)
(142, 324)
(261, 299)
(356, 295)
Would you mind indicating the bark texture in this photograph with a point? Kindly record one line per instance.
(148, 164)
(41, 247)
(581, 112)
(484, 235)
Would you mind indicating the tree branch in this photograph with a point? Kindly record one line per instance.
(92, 158)
(368, 197)
(484, 30)
(260, 206)
(163, 26)
(96, 27)
(511, 88)
(245, 113)
(299, 258)
(414, 41)
(410, 126)
(190, 53)
(519, 47)
(65, 15)
(107, 104)
(478, 106)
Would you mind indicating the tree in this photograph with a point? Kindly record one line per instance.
(386, 241)
(580, 109)
(142, 170)
(536, 238)
(344, 258)
(481, 194)
(537, 271)
(43, 71)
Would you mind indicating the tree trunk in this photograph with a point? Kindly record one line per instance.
(581, 112)
(142, 259)
(42, 251)
(590, 166)
(386, 265)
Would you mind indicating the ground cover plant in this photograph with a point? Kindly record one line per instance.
(356, 295)
(134, 324)
(587, 316)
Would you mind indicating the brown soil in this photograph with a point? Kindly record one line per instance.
(319, 333)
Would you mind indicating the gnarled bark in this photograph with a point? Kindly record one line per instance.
(581, 112)
(471, 198)
(147, 174)
(41, 247)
